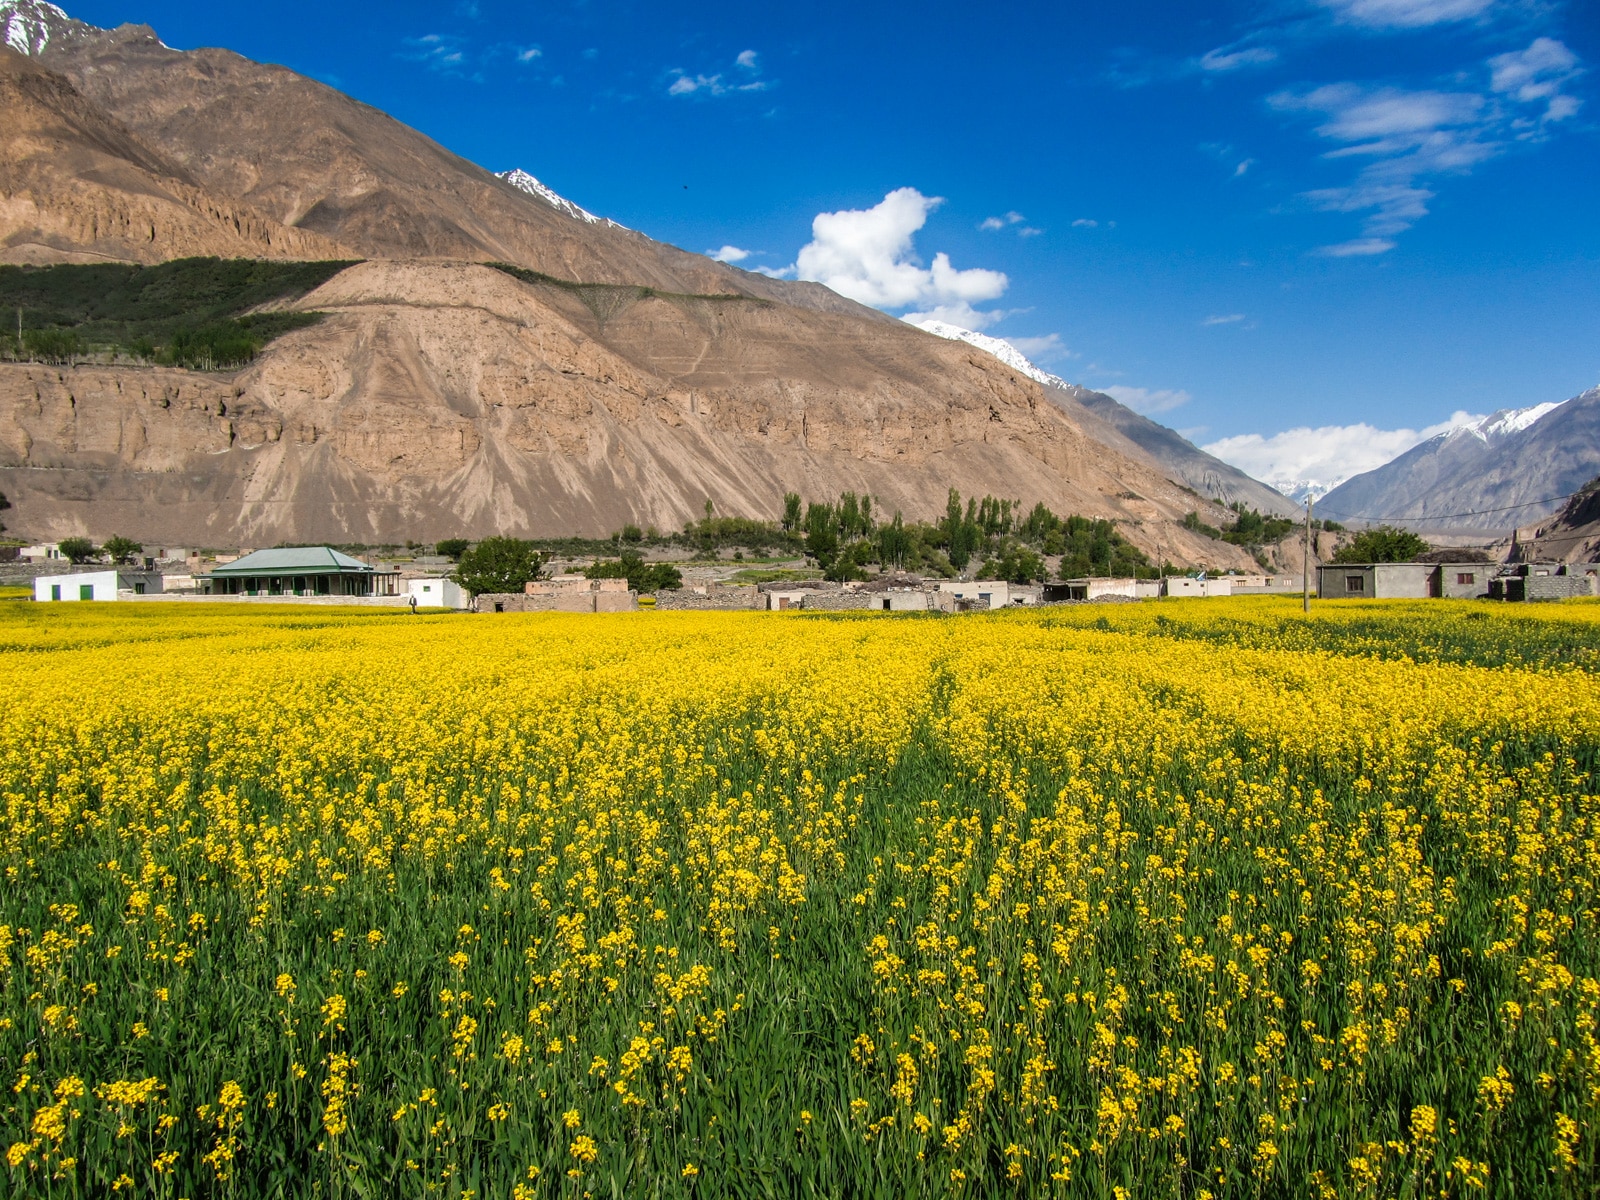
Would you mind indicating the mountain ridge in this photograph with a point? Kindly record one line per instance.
(1507, 469)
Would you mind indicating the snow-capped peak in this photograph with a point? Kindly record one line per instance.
(522, 181)
(27, 25)
(1510, 420)
(998, 347)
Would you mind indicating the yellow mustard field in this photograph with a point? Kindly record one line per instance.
(1175, 899)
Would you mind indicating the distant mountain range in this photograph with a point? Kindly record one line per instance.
(1511, 468)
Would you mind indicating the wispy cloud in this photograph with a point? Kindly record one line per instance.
(1405, 14)
(728, 254)
(1410, 137)
(436, 51)
(1009, 221)
(1048, 348)
(1233, 58)
(1147, 401)
(1085, 223)
(746, 62)
(526, 54)
(1224, 319)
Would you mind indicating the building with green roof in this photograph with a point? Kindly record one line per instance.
(299, 571)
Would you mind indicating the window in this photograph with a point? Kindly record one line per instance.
(86, 591)
(138, 588)
(1466, 578)
(1355, 585)
(55, 591)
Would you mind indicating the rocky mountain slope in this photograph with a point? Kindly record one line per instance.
(1114, 423)
(1497, 470)
(1573, 535)
(440, 397)
(579, 409)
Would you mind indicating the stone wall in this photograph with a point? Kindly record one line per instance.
(839, 602)
(715, 599)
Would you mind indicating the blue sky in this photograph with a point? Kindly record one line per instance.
(1336, 221)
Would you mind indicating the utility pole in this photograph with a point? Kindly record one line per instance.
(1305, 562)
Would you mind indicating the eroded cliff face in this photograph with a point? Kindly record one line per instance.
(445, 398)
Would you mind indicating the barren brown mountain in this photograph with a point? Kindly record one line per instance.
(75, 186)
(442, 397)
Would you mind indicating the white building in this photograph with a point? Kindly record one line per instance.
(44, 552)
(97, 585)
(1182, 586)
(437, 592)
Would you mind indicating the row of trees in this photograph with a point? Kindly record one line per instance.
(844, 538)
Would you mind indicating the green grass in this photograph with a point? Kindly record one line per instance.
(191, 312)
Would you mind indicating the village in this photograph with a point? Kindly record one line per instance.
(325, 575)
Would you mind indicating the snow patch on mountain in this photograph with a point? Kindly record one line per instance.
(998, 347)
(1510, 420)
(26, 25)
(522, 181)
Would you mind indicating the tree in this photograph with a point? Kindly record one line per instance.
(791, 512)
(1385, 544)
(498, 564)
(894, 543)
(452, 548)
(641, 576)
(79, 550)
(4, 504)
(822, 536)
(121, 549)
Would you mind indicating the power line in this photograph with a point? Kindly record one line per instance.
(1452, 516)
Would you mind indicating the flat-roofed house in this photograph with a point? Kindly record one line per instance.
(1375, 581)
(299, 571)
(97, 585)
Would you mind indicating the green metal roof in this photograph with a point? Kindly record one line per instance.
(296, 560)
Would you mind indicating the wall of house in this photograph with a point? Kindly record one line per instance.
(102, 585)
(1463, 581)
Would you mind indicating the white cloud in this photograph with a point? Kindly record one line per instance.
(529, 54)
(1146, 400)
(1358, 248)
(957, 312)
(1405, 14)
(775, 272)
(1028, 231)
(1224, 319)
(1227, 58)
(1322, 458)
(1042, 349)
(728, 254)
(436, 51)
(1243, 167)
(1536, 74)
(1085, 223)
(990, 224)
(870, 255)
(685, 84)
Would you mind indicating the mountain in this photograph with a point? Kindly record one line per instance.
(597, 378)
(1506, 470)
(1115, 424)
